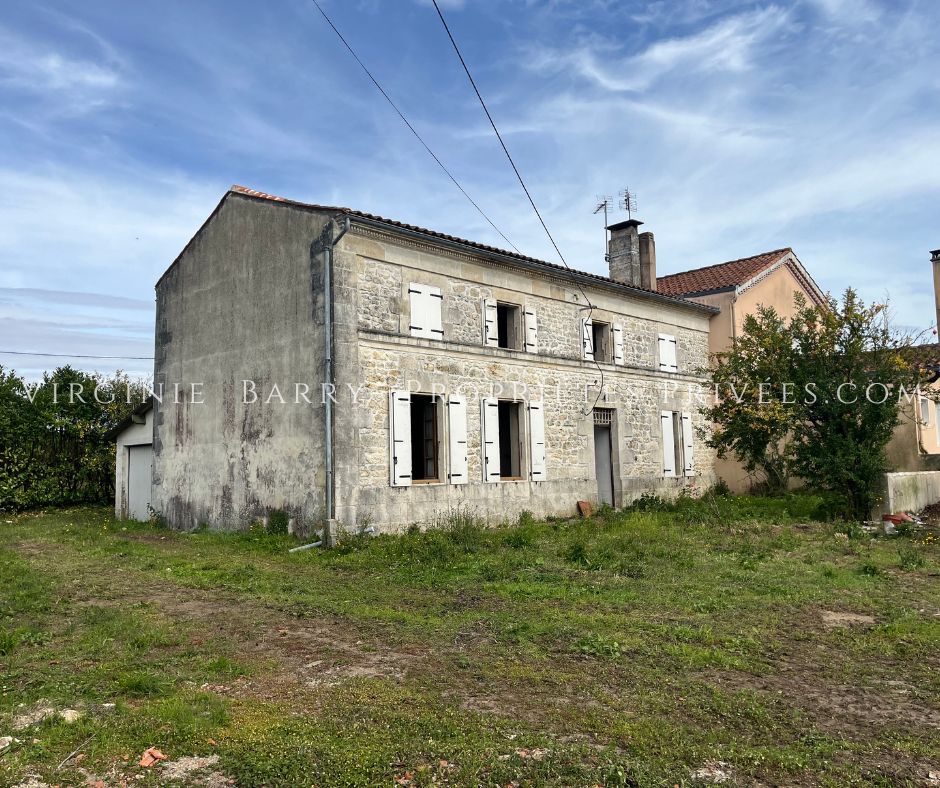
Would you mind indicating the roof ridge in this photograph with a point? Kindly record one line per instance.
(781, 251)
(256, 194)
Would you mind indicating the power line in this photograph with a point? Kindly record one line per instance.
(74, 355)
(515, 169)
(411, 128)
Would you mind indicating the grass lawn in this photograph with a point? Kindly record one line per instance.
(734, 636)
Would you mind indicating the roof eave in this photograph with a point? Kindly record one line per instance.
(533, 264)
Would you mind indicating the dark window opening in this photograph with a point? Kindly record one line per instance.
(677, 446)
(424, 439)
(507, 326)
(600, 337)
(510, 436)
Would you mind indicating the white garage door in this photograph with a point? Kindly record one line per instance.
(139, 468)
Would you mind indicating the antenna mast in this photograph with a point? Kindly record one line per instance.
(605, 203)
(627, 202)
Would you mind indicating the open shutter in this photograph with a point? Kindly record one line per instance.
(433, 306)
(587, 339)
(489, 429)
(537, 441)
(667, 353)
(669, 444)
(457, 438)
(531, 330)
(399, 414)
(687, 446)
(619, 357)
(490, 331)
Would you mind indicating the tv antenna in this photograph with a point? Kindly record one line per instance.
(627, 202)
(605, 203)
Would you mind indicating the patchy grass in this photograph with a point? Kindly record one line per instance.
(628, 649)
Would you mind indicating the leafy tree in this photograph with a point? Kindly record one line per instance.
(833, 379)
(857, 363)
(746, 421)
(53, 448)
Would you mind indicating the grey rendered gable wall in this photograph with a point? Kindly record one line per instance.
(241, 303)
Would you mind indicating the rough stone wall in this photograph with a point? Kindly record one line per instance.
(243, 302)
(380, 361)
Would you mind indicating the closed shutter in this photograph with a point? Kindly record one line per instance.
(531, 331)
(667, 353)
(669, 444)
(418, 320)
(457, 438)
(489, 429)
(399, 414)
(687, 446)
(490, 331)
(434, 302)
(537, 441)
(619, 357)
(587, 339)
(426, 318)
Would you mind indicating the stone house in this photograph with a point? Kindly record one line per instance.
(352, 369)
(737, 289)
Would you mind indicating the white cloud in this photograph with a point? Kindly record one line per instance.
(728, 47)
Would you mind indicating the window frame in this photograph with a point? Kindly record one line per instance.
(515, 330)
(602, 341)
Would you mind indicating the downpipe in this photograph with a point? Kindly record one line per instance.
(328, 369)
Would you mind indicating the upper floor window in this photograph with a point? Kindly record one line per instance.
(601, 341)
(509, 326)
(925, 411)
(426, 302)
(667, 353)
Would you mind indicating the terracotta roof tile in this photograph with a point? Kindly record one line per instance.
(718, 277)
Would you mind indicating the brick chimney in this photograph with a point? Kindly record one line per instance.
(647, 261)
(935, 260)
(623, 252)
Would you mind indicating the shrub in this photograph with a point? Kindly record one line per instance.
(278, 522)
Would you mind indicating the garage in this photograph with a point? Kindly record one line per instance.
(133, 464)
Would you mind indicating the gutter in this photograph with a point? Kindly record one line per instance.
(533, 265)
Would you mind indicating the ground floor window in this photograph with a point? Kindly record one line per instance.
(425, 439)
(678, 443)
(510, 436)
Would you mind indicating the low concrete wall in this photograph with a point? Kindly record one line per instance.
(910, 492)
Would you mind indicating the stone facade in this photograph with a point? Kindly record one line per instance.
(245, 301)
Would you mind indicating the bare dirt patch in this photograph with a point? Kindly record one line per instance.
(836, 620)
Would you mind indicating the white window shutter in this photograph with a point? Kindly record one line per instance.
(669, 444)
(667, 353)
(418, 320)
(619, 358)
(687, 444)
(399, 415)
(537, 441)
(434, 302)
(457, 438)
(531, 330)
(587, 339)
(490, 332)
(489, 429)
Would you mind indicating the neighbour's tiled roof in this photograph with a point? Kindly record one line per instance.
(658, 294)
(723, 276)
(925, 356)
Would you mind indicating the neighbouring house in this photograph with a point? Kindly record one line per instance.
(355, 370)
(914, 449)
(133, 463)
(737, 288)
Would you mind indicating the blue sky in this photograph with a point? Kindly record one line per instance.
(741, 126)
